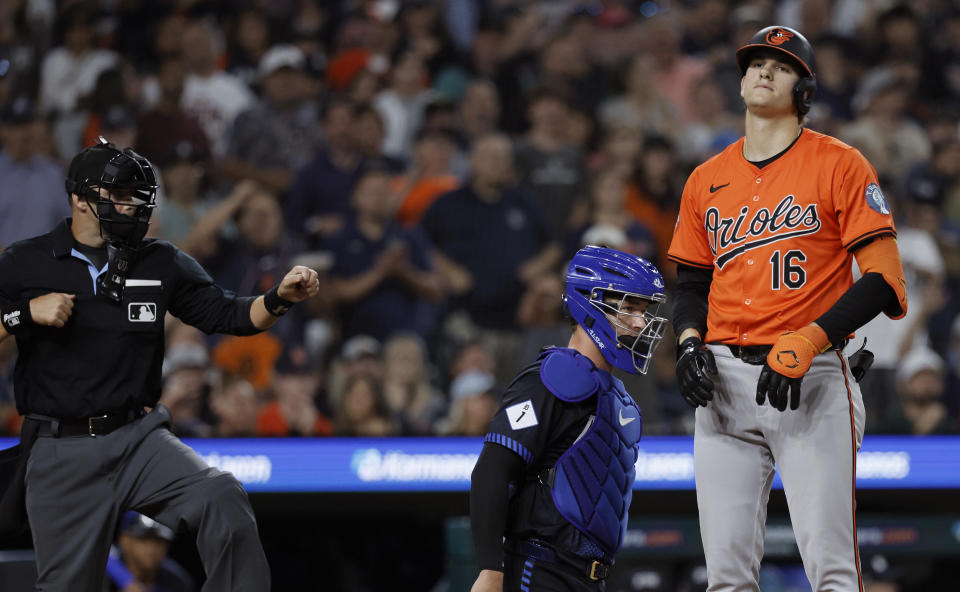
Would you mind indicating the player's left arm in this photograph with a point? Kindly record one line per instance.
(881, 289)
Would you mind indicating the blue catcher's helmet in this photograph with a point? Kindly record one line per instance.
(599, 281)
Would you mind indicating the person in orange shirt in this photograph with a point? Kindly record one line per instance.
(428, 176)
(764, 305)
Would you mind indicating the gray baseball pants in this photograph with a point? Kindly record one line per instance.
(78, 487)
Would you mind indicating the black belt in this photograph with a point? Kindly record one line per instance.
(593, 570)
(98, 425)
(757, 354)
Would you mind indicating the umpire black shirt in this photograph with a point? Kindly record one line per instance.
(109, 355)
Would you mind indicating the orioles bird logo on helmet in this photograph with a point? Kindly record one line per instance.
(779, 36)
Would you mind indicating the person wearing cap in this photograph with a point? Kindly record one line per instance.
(764, 304)
(31, 196)
(86, 304)
(277, 136)
(139, 563)
(920, 384)
(472, 405)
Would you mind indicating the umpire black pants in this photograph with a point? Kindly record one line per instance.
(77, 488)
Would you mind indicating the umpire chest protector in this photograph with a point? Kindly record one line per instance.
(592, 481)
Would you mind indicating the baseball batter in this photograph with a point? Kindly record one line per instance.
(764, 304)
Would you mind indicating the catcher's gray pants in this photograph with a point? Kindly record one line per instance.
(78, 487)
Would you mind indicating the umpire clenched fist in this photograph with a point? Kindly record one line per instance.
(694, 363)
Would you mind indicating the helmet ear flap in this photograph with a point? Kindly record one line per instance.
(803, 92)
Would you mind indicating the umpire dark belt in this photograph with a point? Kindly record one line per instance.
(593, 570)
(98, 425)
(757, 354)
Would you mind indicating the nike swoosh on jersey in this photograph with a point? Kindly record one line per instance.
(717, 188)
(625, 420)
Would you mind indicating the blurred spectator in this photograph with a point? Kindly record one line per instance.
(355, 74)
(212, 96)
(423, 33)
(653, 194)
(890, 141)
(923, 270)
(252, 358)
(642, 107)
(70, 72)
(472, 405)
(835, 85)
(10, 419)
(362, 410)
(489, 239)
(161, 129)
(32, 198)
(564, 62)
(676, 73)
(23, 39)
(548, 164)
(410, 396)
(110, 107)
(293, 411)
(607, 197)
(711, 127)
(472, 355)
(119, 125)
(139, 562)
(402, 104)
(186, 388)
(368, 133)
(319, 199)
(183, 205)
(359, 355)
(256, 258)
(952, 391)
(479, 113)
(920, 385)
(540, 315)
(275, 138)
(427, 177)
(248, 45)
(381, 273)
(233, 403)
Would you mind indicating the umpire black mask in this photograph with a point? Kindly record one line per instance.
(103, 170)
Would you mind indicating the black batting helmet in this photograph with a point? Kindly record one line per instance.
(796, 47)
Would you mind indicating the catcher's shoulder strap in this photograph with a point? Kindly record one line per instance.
(568, 374)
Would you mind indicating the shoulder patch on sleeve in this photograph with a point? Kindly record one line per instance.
(522, 415)
(567, 376)
(876, 200)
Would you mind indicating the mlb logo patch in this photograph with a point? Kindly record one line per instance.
(522, 415)
(142, 312)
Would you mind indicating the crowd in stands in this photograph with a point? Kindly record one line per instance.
(439, 161)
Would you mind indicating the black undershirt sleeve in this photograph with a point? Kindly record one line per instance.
(865, 299)
(690, 299)
(490, 483)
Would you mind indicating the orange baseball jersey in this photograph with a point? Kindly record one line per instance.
(778, 239)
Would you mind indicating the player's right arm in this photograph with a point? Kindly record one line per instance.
(691, 252)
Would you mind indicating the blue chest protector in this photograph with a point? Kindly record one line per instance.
(593, 480)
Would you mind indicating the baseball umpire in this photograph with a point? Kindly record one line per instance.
(556, 472)
(765, 240)
(86, 303)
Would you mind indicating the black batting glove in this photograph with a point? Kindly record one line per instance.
(775, 386)
(694, 363)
